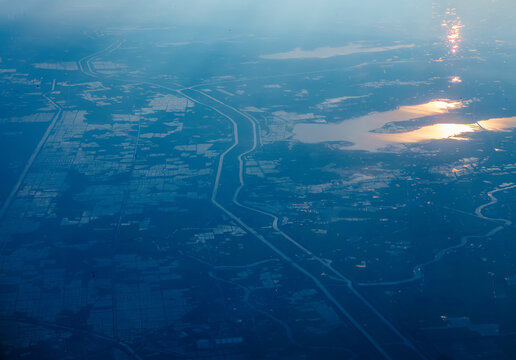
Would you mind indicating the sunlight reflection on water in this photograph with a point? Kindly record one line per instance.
(431, 132)
(453, 25)
(359, 131)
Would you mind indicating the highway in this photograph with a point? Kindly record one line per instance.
(30, 161)
(387, 340)
(85, 62)
(86, 69)
(229, 181)
(384, 336)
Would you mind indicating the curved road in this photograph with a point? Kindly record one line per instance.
(382, 334)
(229, 181)
(388, 341)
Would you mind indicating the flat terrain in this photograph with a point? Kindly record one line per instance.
(165, 198)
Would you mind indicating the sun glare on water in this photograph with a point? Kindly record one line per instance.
(446, 105)
(453, 26)
(434, 107)
(431, 132)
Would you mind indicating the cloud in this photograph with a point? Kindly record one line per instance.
(328, 52)
(265, 17)
(333, 102)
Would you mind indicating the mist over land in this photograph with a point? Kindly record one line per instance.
(257, 180)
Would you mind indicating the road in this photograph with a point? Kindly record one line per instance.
(85, 62)
(381, 333)
(229, 181)
(31, 159)
(388, 341)
(85, 67)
